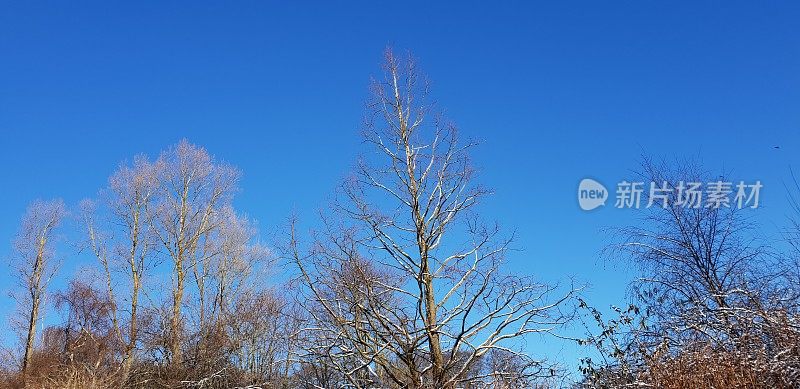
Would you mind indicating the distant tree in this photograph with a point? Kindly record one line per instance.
(120, 236)
(192, 189)
(34, 263)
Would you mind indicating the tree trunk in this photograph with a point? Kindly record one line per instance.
(133, 334)
(175, 341)
(26, 362)
(434, 341)
(35, 291)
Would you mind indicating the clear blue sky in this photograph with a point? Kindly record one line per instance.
(555, 92)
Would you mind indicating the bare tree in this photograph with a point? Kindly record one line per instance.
(192, 190)
(88, 341)
(717, 307)
(34, 262)
(237, 258)
(426, 289)
(702, 266)
(122, 242)
(233, 309)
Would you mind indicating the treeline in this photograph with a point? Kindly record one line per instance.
(402, 286)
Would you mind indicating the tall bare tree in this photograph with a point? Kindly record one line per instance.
(427, 291)
(34, 263)
(122, 242)
(193, 188)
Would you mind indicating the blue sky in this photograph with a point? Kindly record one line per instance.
(556, 93)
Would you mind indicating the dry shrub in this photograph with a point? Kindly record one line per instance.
(768, 359)
(704, 367)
